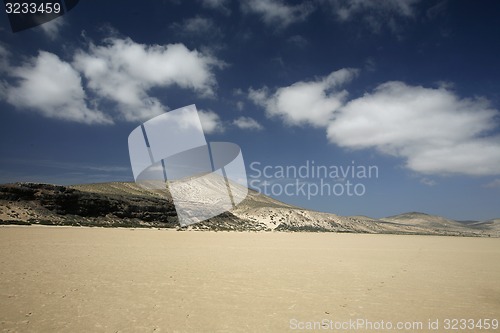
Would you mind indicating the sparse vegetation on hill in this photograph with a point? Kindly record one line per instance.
(129, 205)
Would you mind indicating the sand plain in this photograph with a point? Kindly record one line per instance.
(70, 279)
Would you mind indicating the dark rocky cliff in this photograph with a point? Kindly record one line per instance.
(30, 203)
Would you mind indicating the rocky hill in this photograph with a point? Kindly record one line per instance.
(129, 205)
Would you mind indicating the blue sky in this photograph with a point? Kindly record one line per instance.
(409, 86)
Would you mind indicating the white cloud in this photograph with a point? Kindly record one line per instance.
(210, 121)
(195, 24)
(220, 5)
(305, 102)
(119, 71)
(276, 12)
(52, 28)
(198, 26)
(374, 13)
(370, 65)
(247, 123)
(434, 130)
(240, 105)
(346, 9)
(50, 86)
(238, 92)
(123, 71)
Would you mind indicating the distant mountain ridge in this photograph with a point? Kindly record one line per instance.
(120, 204)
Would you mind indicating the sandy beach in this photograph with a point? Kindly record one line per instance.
(64, 279)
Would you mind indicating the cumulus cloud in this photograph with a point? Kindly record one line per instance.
(119, 73)
(434, 130)
(247, 123)
(305, 102)
(123, 71)
(210, 121)
(53, 88)
(278, 13)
